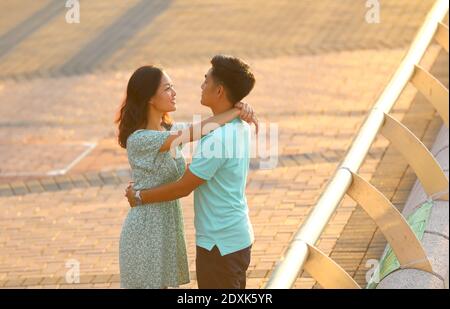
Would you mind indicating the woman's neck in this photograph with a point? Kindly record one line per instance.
(154, 120)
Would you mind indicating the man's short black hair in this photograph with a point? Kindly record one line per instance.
(234, 74)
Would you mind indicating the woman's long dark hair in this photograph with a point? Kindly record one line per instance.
(133, 113)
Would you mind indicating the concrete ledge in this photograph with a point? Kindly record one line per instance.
(438, 221)
(446, 281)
(436, 236)
(436, 248)
(411, 279)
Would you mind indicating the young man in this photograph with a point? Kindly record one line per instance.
(218, 175)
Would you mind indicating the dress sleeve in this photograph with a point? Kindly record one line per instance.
(149, 141)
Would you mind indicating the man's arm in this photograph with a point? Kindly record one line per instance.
(168, 192)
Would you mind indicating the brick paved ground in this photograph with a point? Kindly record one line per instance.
(319, 68)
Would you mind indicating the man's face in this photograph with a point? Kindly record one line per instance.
(209, 90)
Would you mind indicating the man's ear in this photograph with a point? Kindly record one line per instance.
(220, 91)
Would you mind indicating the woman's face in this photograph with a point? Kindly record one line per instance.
(165, 98)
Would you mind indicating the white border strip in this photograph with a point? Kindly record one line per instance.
(90, 146)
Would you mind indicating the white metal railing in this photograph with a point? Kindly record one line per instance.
(302, 254)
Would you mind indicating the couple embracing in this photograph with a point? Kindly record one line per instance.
(152, 251)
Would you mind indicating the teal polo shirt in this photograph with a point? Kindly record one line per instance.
(222, 158)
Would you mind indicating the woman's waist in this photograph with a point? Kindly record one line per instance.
(148, 181)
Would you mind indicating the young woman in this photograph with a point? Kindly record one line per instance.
(152, 251)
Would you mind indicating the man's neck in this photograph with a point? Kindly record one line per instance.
(221, 107)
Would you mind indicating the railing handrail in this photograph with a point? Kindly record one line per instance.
(288, 269)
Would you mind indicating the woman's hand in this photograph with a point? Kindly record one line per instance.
(129, 194)
(247, 114)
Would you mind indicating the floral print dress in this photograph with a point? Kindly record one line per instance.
(152, 250)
